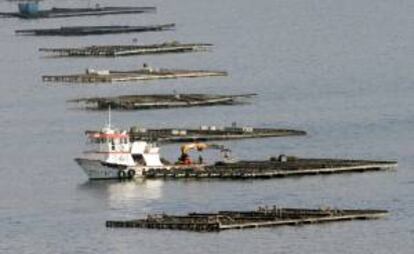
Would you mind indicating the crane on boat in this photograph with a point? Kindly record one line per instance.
(186, 148)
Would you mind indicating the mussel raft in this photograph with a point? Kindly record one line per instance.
(283, 166)
(262, 217)
(154, 101)
(94, 30)
(145, 73)
(127, 50)
(204, 133)
(27, 13)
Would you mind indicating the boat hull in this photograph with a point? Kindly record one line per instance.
(96, 170)
(99, 170)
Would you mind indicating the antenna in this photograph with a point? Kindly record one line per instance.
(109, 116)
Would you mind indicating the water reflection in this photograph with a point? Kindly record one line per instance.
(120, 194)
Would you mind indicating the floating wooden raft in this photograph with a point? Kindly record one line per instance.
(262, 217)
(92, 76)
(94, 30)
(77, 12)
(291, 166)
(154, 101)
(126, 50)
(208, 133)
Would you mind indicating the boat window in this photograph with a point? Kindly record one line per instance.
(113, 144)
(139, 159)
(93, 140)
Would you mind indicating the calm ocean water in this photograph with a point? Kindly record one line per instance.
(341, 70)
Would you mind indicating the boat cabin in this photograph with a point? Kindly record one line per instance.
(109, 140)
(118, 149)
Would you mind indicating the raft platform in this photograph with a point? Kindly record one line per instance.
(127, 50)
(108, 76)
(262, 217)
(208, 133)
(283, 166)
(157, 101)
(94, 30)
(76, 12)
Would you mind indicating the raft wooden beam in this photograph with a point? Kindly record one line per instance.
(78, 12)
(108, 76)
(291, 166)
(127, 50)
(94, 30)
(156, 101)
(262, 217)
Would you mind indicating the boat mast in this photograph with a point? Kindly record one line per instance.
(109, 116)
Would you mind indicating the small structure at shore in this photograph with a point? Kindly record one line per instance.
(262, 217)
(145, 73)
(156, 101)
(127, 50)
(94, 30)
(30, 10)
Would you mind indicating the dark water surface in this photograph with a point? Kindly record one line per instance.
(341, 70)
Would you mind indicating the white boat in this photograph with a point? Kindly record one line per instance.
(113, 156)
